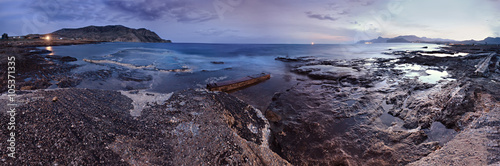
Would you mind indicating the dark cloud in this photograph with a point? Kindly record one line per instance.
(145, 10)
(321, 16)
(123, 10)
(180, 10)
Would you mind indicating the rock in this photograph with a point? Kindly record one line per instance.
(97, 75)
(67, 82)
(476, 145)
(27, 88)
(273, 117)
(322, 120)
(68, 59)
(61, 58)
(135, 76)
(95, 127)
(482, 67)
(217, 62)
(294, 59)
(316, 126)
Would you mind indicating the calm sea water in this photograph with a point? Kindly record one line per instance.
(196, 62)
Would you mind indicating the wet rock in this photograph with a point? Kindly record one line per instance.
(68, 59)
(135, 76)
(316, 126)
(475, 145)
(66, 82)
(322, 120)
(61, 58)
(349, 73)
(294, 59)
(217, 62)
(97, 75)
(32, 69)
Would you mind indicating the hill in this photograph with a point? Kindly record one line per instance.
(408, 39)
(110, 33)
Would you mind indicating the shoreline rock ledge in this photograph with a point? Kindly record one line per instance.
(95, 127)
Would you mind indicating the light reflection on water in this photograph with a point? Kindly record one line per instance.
(433, 76)
(423, 73)
(49, 48)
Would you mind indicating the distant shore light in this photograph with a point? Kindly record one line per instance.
(312, 43)
(47, 38)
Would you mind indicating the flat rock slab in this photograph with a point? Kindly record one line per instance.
(94, 127)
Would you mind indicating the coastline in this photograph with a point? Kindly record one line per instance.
(30, 63)
(358, 114)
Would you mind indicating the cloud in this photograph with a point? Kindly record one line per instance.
(215, 32)
(181, 11)
(188, 14)
(67, 10)
(321, 16)
(123, 10)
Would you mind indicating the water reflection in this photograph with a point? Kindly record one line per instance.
(438, 132)
(433, 76)
(49, 48)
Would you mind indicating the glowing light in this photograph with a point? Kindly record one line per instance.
(49, 48)
(312, 43)
(47, 38)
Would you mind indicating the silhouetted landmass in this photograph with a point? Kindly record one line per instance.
(492, 40)
(110, 33)
(398, 40)
(408, 39)
(416, 39)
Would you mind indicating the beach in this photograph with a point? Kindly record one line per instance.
(418, 107)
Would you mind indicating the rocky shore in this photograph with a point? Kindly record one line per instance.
(419, 108)
(103, 127)
(33, 69)
(95, 127)
(388, 111)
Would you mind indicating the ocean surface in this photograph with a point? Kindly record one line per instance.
(177, 66)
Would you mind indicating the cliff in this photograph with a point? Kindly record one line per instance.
(110, 33)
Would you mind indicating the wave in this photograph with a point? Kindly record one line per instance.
(148, 67)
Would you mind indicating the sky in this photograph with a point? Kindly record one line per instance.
(262, 21)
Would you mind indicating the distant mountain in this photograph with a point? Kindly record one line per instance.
(398, 40)
(491, 40)
(408, 39)
(110, 33)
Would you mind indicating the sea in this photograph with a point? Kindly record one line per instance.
(179, 66)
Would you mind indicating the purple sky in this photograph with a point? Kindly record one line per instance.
(262, 21)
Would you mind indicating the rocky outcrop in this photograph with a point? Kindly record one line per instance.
(335, 119)
(385, 111)
(110, 33)
(478, 144)
(95, 127)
